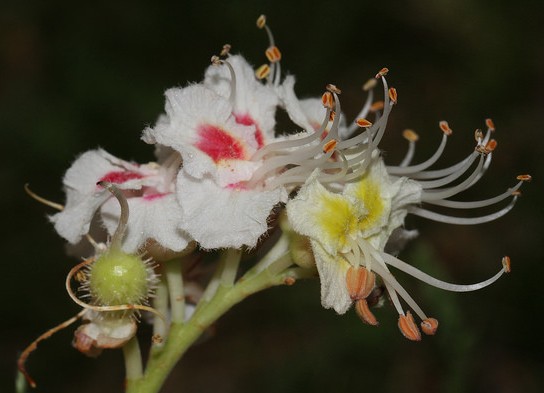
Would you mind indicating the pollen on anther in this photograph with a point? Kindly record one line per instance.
(377, 106)
(408, 327)
(327, 100)
(445, 127)
(261, 21)
(329, 146)
(393, 94)
(410, 135)
(524, 177)
(363, 123)
(382, 72)
(273, 54)
(333, 89)
(262, 72)
(490, 146)
(429, 326)
(489, 123)
(506, 264)
(370, 84)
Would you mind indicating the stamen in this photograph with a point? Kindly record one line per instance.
(382, 72)
(46, 202)
(490, 125)
(333, 89)
(363, 311)
(443, 124)
(429, 326)
(416, 273)
(363, 123)
(262, 72)
(273, 54)
(377, 106)
(215, 60)
(526, 178)
(462, 220)
(329, 146)
(261, 21)
(506, 264)
(370, 84)
(359, 282)
(408, 327)
(327, 100)
(411, 136)
(225, 51)
(393, 95)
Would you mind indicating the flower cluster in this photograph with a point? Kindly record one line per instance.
(223, 170)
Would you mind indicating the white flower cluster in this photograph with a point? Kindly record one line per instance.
(223, 167)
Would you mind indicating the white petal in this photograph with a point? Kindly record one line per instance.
(156, 218)
(292, 105)
(221, 217)
(332, 274)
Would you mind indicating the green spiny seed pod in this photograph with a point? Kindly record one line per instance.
(117, 278)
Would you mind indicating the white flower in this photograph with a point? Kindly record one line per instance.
(154, 211)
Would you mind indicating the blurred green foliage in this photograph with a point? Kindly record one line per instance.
(77, 75)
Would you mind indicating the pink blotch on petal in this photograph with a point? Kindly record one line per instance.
(218, 144)
(153, 197)
(119, 177)
(247, 120)
(237, 186)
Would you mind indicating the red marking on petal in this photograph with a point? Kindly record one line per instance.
(237, 186)
(218, 144)
(153, 197)
(120, 177)
(247, 120)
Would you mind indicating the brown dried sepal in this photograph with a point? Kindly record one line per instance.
(91, 338)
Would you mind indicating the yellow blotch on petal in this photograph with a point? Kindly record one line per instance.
(337, 219)
(368, 192)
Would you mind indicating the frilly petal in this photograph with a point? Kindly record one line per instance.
(224, 217)
(153, 217)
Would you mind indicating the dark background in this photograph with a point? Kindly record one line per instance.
(77, 76)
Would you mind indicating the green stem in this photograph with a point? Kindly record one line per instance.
(133, 361)
(181, 336)
(174, 279)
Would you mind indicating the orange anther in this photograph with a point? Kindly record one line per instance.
(490, 146)
(506, 264)
(410, 135)
(376, 106)
(262, 72)
(327, 100)
(226, 49)
(429, 326)
(370, 84)
(393, 94)
(289, 281)
(333, 89)
(489, 123)
(408, 327)
(359, 282)
(261, 21)
(332, 115)
(525, 177)
(382, 72)
(363, 311)
(273, 54)
(364, 123)
(329, 146)
(445, 127)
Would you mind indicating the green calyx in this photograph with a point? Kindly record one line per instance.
(117, 278)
